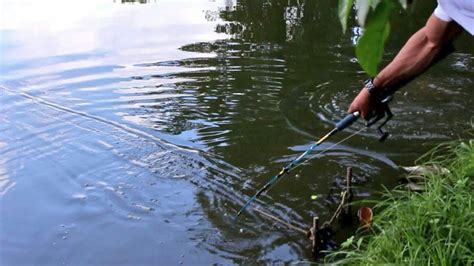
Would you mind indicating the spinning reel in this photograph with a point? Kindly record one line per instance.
(380, 111)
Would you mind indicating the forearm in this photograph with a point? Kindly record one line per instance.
(418, 54)
(414, 58)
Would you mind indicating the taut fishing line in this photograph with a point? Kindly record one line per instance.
(319, 153)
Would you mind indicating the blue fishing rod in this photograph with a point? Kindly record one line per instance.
(341, 125)
(382, 109)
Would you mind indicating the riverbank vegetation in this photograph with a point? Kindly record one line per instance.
(434, 227)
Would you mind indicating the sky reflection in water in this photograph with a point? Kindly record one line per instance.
(132, 133)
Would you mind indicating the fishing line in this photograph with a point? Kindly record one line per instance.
(381, 110)
(341, 125)
(319, 153)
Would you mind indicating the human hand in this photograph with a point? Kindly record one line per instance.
(363, 103)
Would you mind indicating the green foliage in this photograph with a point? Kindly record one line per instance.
(435, 227)
(344, 10)
(374, 16)
(370, 45)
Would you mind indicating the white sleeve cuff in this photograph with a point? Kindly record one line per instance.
(439, 13)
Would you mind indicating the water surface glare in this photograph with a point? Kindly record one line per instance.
(133, 133)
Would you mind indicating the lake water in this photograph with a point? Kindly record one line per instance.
(132, 133)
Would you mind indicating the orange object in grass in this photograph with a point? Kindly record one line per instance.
(365, 215)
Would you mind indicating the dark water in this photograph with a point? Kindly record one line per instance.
(132, 133)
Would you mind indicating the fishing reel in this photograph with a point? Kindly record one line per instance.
(380, 111)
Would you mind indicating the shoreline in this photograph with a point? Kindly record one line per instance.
(431, 227)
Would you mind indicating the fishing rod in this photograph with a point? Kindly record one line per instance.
(381, 110)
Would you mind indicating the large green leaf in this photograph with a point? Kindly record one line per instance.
(375, 3)
(370, 45)
(344, 10)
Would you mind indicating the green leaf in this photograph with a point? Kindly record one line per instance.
(374, 3)
(370, 45)
(344, 10)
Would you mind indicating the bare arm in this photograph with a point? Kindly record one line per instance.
(415, 57)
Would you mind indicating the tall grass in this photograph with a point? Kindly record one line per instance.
(435, 227)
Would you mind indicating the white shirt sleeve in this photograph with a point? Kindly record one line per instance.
(441, 14)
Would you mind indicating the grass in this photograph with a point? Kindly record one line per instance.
(435, 227)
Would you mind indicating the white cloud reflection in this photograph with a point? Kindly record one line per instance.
(5, 183)
(40, 29)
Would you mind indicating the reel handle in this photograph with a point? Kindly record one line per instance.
(382, 110)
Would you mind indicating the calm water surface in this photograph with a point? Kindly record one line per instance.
(132, 133)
